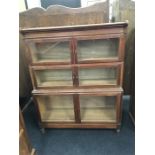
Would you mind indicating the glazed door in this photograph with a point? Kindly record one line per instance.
(105, 108)
(101, 75)
(55, 108)
(53, 51)
(98, 49)
(51, 76)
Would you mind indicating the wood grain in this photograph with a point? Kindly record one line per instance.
(58, 15)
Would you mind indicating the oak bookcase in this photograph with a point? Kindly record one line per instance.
(77, 74)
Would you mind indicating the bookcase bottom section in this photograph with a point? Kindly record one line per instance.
(83, 110)
(80, 125)
(91, 108)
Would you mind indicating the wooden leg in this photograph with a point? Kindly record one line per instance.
(118, 130)
(42, 130)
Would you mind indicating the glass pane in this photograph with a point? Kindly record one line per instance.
(98, 108)
(99, 49)
(97, 76)
(56, 108)
(51, 78)
(50, 52)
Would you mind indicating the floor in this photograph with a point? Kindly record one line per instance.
(82, 141)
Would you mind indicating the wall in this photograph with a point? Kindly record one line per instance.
(68, 3)
(125, 10)
(22, 5)
(85, 3)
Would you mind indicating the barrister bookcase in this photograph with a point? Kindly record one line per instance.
(77, 74)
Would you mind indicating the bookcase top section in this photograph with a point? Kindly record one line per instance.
(75, 27)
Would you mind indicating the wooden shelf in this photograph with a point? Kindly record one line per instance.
(74, 27)
(81, 83)
(98, 59)
(58, 115)
(100, 114)
(98, 82)
(79, 90)
(56, 83)
(50, 58)
(54, 60)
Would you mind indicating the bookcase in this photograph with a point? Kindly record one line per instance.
(77, 74)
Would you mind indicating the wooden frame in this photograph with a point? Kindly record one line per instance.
(120, 51)
(49, 40)
(73, 34)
